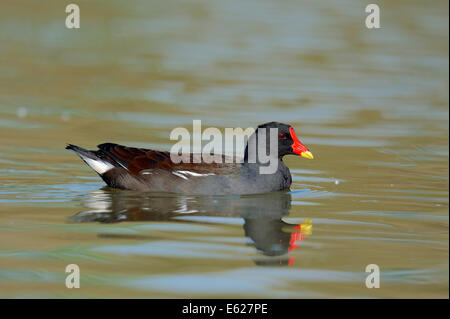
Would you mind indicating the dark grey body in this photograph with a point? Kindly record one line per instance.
(248, 180)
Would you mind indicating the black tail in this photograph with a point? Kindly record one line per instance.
(95, 159)
(81, 151)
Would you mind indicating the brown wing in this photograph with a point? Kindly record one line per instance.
(136, 160)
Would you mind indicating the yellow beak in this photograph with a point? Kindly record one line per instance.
(307, 155)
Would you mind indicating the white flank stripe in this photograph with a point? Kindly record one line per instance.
(194, 173)
(179, 175)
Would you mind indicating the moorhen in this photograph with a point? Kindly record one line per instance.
(150, 170)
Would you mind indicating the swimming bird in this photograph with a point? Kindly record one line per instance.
(151, 170)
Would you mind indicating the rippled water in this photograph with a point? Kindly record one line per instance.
(372, 105)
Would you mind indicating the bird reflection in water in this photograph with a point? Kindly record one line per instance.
(262, 214)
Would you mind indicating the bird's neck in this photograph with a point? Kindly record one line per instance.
(266, 156)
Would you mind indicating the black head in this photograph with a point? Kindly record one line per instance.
(288, 143)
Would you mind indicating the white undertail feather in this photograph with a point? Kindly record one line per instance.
(98, 165)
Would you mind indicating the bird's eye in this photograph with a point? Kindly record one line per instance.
(282, 136)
